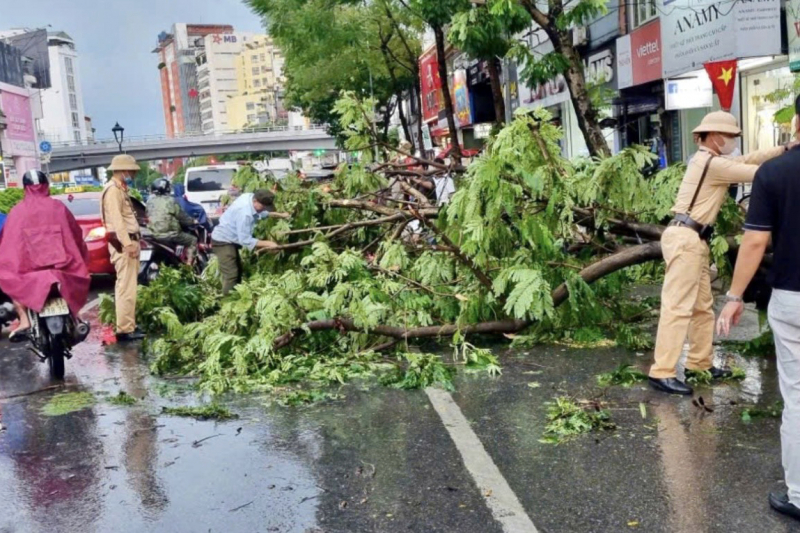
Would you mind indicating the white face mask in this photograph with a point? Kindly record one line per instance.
(728, 146)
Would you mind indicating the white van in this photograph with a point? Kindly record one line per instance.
(205, 185)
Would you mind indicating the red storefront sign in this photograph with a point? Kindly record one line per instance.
(430, 86)
(639, 56)
(646, 53)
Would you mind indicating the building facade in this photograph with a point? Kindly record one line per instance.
(260, 82)
(62, 104)
(217, 79)
(18, 152)
(177, 54)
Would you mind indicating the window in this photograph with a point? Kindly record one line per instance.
(71, 83)
(77, 136)
(251, 119)
(251, 106)
(254, 58)
(256, 83)
(75, 122)
(68, 64)
(265, 82)
(209, 180)
(263, 57)
(255, 71)
(73, 102)
(642, 12)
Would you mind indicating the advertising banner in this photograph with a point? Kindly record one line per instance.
(793, 32)
(431, 86)
(695, 32)
(639, 56)
(461, 98)
(20, 135)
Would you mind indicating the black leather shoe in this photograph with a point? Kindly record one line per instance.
(780, 502)
(671, 386)
(716, 373)
(133, 336)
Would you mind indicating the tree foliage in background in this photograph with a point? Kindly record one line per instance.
(557, 18)
(334, 45)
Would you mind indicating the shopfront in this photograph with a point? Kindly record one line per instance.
(18, 136)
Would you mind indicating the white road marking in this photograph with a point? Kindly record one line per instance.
(500, 499)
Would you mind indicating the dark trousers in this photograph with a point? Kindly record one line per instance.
(230, 265)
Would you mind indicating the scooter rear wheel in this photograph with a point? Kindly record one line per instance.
(55, 357)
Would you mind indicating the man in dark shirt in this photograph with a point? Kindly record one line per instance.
(774, 212)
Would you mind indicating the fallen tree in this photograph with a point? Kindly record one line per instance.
(531, 245)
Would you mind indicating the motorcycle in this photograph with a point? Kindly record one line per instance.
(7, 312)
(54, 332)
(154, 254)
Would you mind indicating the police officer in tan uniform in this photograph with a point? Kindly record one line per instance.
(123, 237)
(686, 298)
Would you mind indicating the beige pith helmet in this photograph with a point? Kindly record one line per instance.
(718, 122)
(123, 162)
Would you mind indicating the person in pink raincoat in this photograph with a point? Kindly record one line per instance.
(42, 246)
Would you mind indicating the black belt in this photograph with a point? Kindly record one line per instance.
(705, 231)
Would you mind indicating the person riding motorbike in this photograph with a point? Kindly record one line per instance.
(192, 209)
(166, 219)
(42, 245)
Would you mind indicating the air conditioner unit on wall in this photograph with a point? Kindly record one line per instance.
(579, 36)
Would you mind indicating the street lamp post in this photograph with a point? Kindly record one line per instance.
(119, 135)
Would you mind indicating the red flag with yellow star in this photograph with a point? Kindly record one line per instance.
(723, 76)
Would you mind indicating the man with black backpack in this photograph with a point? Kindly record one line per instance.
(686, 298)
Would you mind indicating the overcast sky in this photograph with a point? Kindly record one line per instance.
(114, 39)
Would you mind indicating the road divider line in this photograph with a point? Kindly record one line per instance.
(500, 499)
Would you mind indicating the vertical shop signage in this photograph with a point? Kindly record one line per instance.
(793, 31)
(431, 86)
(639, 56)
(694, 34)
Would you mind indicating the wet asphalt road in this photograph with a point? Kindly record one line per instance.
(381, 460)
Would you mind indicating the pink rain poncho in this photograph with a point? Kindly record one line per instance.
(42, 245)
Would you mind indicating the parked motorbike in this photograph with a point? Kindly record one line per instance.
(54, 332)
(155, 254)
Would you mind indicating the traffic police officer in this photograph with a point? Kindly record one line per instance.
(686, 298)
(122, 229)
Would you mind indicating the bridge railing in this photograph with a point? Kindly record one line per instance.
(146, 139)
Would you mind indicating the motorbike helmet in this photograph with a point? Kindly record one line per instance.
(161, 187)
(34, 177)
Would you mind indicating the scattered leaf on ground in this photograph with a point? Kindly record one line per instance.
(123, 398)
(69, 402)
(211, 411)
(534, 384)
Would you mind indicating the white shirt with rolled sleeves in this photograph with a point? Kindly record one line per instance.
(237, 222)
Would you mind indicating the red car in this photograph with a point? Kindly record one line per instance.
(85, 206)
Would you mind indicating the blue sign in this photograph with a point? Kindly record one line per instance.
(45, 147)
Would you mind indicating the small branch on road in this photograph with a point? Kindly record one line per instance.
(196, 444)
(241, 507)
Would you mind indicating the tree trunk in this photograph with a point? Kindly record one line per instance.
(497, 93)
(585, 110)
(418, 95)
(634, 255)
(441, 57)
(404, 120)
